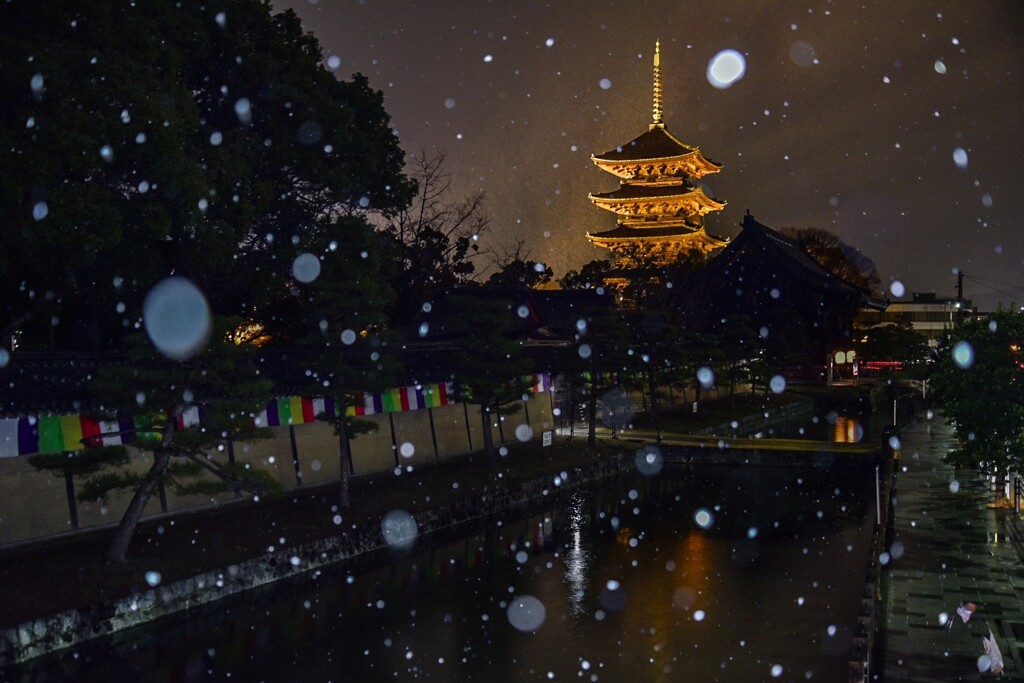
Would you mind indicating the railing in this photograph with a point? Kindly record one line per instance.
(1018, 493)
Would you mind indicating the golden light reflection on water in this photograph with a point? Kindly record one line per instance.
(847, 430)
(577, 560)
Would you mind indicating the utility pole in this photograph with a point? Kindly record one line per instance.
(959, 295)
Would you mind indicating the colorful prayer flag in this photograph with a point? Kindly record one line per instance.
(9, 438)
(51, 439)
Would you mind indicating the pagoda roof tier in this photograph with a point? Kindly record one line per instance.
(656, 153)
(672, 238)
(641, 202)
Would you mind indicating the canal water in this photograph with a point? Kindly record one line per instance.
(718, 573)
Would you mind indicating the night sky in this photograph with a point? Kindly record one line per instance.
(897, 126)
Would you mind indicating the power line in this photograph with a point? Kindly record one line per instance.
(1013, 295)
(997, 282)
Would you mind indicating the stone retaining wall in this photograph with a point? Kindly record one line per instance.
(48, 634)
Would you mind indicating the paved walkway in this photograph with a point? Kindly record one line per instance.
(954, 549)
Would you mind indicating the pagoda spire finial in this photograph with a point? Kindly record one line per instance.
(658, 123)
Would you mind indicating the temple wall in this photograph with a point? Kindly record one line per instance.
(34, 504)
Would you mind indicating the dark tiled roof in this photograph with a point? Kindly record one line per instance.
(629, 191)
(626, 232)
(657, 143)
(783, 254)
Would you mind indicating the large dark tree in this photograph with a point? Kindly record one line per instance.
(591, 275)
(837, 257)
(156, 139)
(435, 238)
(145, 139)
(514, 268)
(979, 382)
(339, 324)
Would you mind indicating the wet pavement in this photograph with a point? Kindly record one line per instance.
(949, 547)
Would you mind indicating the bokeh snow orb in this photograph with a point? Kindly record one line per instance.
(348, 337)
(897, 289)
(153, 578)
(524, 432)
(5, 358)
(399, 529)
(605, 83)
(407, 450)
(699, 615)
(984, 663)
(704, 518)
(778, 384)
(649, 460)
(960, 157)
(243, 110)
(725, 68)
(954, 486)
(177, 318)
(706, 377)
(526, 613)
(776, 670)
(963, 354)
(306, 268)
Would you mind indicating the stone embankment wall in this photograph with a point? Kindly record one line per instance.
(75, 626)
(34, 504)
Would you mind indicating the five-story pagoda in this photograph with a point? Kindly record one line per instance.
(660, 203)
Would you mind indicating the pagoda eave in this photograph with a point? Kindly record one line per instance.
(698, 239)
(696, 203)
(684, 165)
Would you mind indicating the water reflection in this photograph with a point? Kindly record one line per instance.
(627, 587)
(847, 430)
(577, 558)
(831, 427)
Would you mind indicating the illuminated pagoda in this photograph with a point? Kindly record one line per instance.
(660, 203)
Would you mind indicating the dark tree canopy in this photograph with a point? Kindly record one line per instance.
(980, 384)
(146, 139)
(837, 257)
(515, 268)
(435, 238)
(202, 141)
(591, 275)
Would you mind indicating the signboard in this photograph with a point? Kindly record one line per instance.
(546, 439)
